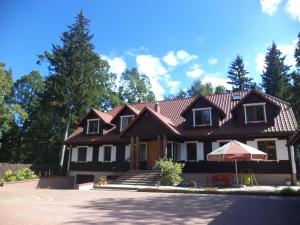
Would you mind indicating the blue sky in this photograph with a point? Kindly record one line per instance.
(173, 42)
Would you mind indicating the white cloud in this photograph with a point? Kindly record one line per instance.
(269, 6)
(117, 65)
(185, 57)
(173, 85)
(152, 67)
(212, 61)
(170, 59)
(288, 51)
(292, 8)
(215, 80)
(195, 71)
(260, 62)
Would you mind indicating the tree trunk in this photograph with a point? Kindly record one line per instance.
(63, 149)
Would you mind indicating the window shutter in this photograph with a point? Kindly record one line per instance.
(200, 151)
(215, 145)
(101, 154)
(89, 154)
(74, 155)
(127, 152)
(252, 144)
(113, 153)
(183, 152)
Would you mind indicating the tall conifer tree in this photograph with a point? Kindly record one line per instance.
(275, 78)
(239, 76)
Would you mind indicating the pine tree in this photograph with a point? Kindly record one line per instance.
(134, 87)
(296, 81)
(297, 53)
(275, 78)
(78, 79)
(238, 75)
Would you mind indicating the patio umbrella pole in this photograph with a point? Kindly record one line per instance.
(236, 173)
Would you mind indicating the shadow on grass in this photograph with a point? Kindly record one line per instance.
(190, 209)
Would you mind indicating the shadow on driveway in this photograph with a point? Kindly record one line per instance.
(190, 209)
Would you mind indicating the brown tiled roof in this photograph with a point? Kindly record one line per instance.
(170, 113)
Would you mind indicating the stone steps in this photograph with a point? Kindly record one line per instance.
(146, 178)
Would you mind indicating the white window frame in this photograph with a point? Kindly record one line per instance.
(268, 139)
(121, 124)
(88, 126)
(145, 143)
(172, 147)
(255, 104)
(202, 109)
(78, 153)
(186, 144)
(111, 147)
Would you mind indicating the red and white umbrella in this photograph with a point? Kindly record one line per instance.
(236, 151)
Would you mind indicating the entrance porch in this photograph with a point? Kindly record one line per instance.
(144, 152)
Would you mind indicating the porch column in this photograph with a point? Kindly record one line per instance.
(165, 150)
(137, 151)
(131, 152)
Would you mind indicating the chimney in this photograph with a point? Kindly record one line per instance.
(157, 107)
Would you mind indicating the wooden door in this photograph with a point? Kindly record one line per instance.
(153, 154)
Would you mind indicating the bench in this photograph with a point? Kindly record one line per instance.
(220, 179)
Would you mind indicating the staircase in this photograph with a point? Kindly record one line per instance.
(138, 177)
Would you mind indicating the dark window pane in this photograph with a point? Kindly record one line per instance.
(143, 152)
(81, 154)
(268, 147)
(255, 113)
(223, 143)
(169, 150)
(191, 149)
(107, 153)
(93, 126)
(202, 117)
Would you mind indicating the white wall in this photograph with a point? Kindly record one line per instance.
(127, 152)
(281, 148)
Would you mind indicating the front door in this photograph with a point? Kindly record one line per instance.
(154, 150)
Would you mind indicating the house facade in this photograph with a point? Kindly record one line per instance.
(135, 136)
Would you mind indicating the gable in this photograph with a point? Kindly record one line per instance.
(253, 97)
(147, 125)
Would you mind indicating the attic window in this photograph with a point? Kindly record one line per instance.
(236, 98)
(202, 117)
(93, 126)
(255, 113)
(125, 121)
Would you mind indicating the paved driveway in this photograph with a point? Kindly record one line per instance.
(36, 206)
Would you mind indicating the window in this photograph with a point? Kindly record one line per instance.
(143, 152)
(202, 117)
(125, 121)
(221, 143)
(268, 147)
(191, 151)
(82, 154)
(255, 113)
(170, 150)
(93, 126)
(107, 154)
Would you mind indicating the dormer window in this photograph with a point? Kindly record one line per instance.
(202, 117)
(125, 121)
(255, 113)
(93, 126)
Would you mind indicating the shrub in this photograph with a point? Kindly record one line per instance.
(171, 172)
(19, 175)
(288, 192)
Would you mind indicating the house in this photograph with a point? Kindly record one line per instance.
(134, 136)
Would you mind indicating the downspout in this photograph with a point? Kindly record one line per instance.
(70, 154)
(293, 164)
(63, 149)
